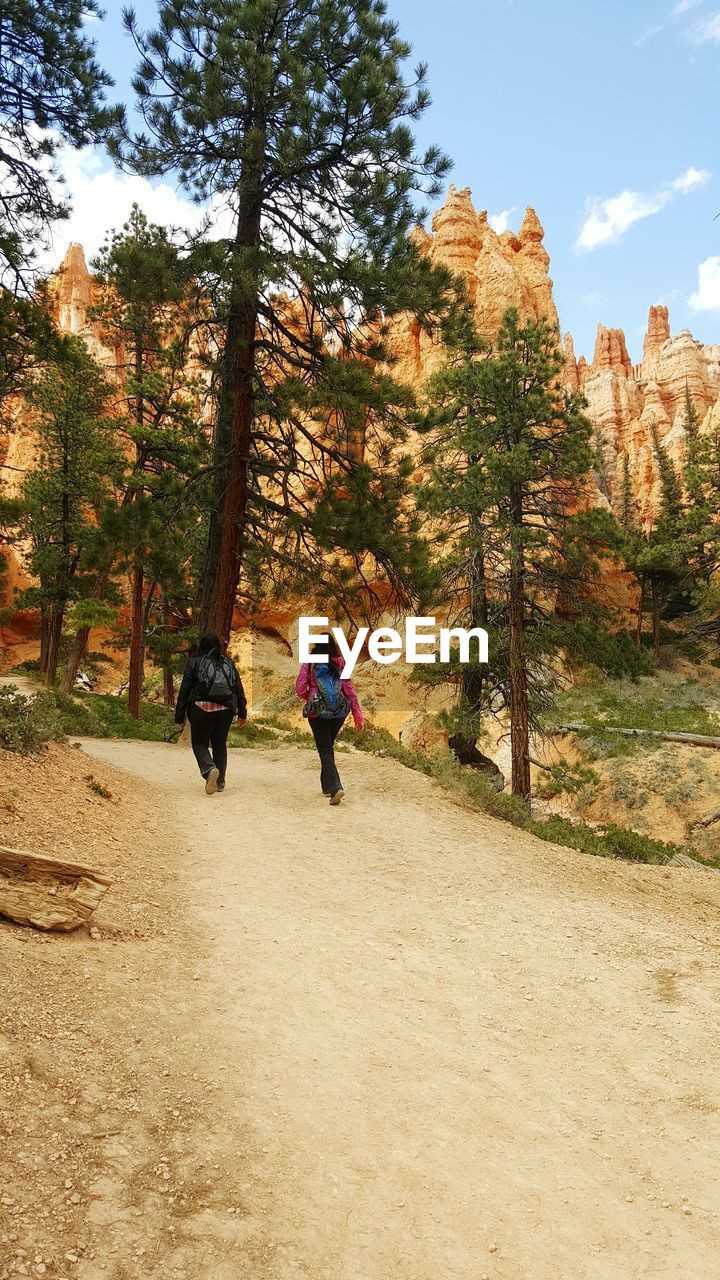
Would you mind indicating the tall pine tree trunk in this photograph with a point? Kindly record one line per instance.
(77, 653)
(641, 601)
(54, 633)
(168, 680)
(234, 427)
(472, 682)
(137, 642)
(80, 643)
(655, 614)
(43, 638)
(519, 706)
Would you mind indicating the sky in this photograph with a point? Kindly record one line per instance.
(602, 114)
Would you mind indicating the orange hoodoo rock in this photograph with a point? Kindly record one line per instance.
(658, 331)
(627, 403)
(630, 404)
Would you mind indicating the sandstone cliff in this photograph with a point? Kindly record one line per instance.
(501, 271)
(626, 402)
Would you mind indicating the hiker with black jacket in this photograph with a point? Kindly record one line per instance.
(211, 696)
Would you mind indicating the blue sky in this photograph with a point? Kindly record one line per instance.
(603, 114)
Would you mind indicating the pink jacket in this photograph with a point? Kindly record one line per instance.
(305, 688)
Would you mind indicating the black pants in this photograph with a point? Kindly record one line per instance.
(325, 732)
(208, 734)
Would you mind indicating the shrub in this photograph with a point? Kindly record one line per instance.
(603, 842)
(27, 724)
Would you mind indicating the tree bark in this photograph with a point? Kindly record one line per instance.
(137, 645)
(80, 644)
(655, 615)
(234, 426)
(472, 681)
(168, 679)
(43, 638)
(54, 633)
(72, 666)
(638, 630)
(519, 707)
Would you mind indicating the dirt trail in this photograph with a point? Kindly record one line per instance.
(399, 1040)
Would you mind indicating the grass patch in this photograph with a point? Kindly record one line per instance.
(97, 787)
(609, 841)
(252, 735)
(665, 702)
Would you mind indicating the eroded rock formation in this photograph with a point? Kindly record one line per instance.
(500, 271)
(626, 402)
(630, 403)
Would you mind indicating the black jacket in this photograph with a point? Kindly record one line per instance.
(190, 693)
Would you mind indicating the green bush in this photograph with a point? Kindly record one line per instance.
(604, 842)
(27, 724)
(90, 715)
(252, 735)
(380, 742)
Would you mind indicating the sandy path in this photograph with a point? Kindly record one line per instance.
(428, 1047)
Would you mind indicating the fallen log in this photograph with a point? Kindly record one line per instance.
(694, 739)
(708, 820)
(692, 864)
(46, 892)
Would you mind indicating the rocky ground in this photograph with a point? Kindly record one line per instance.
(395, 1039)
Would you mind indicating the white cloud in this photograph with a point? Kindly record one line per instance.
(690, 180)
(707, 31)
(501, 221)
(608, 220)
(707, 297)
(679, 10)
(102, 197)
(650, 32)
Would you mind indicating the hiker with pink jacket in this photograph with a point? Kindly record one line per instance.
(328, 702)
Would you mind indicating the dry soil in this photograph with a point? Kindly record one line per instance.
(393, 1040)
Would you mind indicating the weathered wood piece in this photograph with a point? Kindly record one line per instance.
(708, 820)
(694, 739)
(693, 864)
(46, 892)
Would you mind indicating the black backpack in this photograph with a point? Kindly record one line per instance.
(216, 679)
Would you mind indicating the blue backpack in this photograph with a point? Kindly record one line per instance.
(328, 702)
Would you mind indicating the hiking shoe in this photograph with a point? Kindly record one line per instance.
(221, 786)
(211, 782)
(337, 796)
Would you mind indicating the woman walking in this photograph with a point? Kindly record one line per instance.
(328, 701)
(211, 696)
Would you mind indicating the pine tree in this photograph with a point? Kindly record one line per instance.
(51, 93)
(508, 457)
(294, 115)
(147, 314)
(63, 493)
(628, 516)
(700, 529)
(632, 541)
(660, 559)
